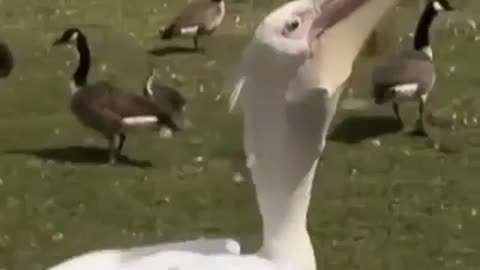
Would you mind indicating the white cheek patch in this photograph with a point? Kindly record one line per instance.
(192, 30)
(74, 37)
(73, 88)
(437, 6)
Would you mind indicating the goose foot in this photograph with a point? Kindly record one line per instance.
(112, 161)
(419, 129)
(197, 47)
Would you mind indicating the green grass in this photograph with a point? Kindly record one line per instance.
(409, 203)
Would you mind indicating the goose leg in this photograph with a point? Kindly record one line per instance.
(196, 44)
(420, 129)
(112, 150)
(396, 110)
(121, 142)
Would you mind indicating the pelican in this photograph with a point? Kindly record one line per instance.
(287, 86)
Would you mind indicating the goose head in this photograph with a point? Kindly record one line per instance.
(441, 5)
(69, 36)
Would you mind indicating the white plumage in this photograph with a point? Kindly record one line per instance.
(406, 91)
(148, 257)
(144, 121)
(192, 30)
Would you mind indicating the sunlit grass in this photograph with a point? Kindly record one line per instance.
(383, 199)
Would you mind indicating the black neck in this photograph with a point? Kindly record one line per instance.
(422, 35)
(80, 75)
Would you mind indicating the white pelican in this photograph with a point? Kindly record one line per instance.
(289, 81)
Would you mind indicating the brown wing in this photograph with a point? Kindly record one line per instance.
(128, 104)
(88, 106)
(405, 67)
(102, 106)
(168, 98)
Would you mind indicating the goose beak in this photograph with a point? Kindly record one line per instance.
(449, 8)
(328, 14)
(58, 42)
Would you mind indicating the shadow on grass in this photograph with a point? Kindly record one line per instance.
(420, 133)
(163, 51)
(80, 155)
(358, 128)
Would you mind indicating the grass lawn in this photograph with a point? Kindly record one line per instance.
(382, 200)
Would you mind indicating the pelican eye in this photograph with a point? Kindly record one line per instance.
(292, 25)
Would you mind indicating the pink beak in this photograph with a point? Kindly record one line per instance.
(328, 14)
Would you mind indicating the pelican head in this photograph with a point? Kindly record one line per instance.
(293, 27)
(286, 29)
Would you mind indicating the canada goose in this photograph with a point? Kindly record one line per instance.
(410, 75)
(105, 108)
(167, 98)
(6, 61)
(282, 134)
(199, 18)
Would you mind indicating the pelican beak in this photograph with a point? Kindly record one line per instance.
(328, 13)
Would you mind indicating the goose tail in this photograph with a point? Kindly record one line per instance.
(6, 61)
(168, 33)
